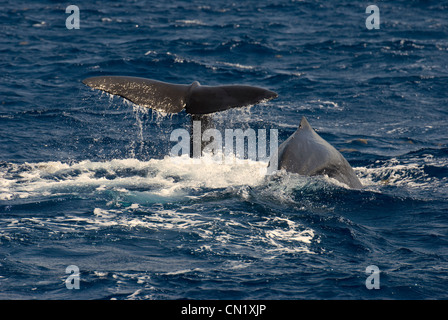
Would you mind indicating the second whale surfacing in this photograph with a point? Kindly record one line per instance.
(308, 154)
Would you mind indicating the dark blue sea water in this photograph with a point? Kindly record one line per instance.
(85, 179)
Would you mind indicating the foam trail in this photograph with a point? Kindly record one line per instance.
(160, 178)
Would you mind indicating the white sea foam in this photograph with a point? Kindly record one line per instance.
(409, 173)
(160, 177)
(131, 185)
(192, 22)
(282, 235)
(236, 65)
(172, 179)
(141, 185)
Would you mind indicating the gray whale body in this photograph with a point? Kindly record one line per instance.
(308, 154)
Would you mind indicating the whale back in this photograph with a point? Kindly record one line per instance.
(307, 153)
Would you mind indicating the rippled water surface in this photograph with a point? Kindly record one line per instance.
(85, 178)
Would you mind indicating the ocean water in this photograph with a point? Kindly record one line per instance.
(86, 180)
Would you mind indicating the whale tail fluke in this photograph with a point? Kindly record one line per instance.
(173, 98)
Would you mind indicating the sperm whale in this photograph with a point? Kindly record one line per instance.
(304, 152)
